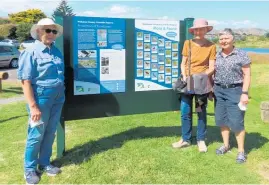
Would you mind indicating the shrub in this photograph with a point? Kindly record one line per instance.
(23, 31)
(5, 29)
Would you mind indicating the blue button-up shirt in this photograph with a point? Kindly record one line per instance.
(228, 69)
(41, 65)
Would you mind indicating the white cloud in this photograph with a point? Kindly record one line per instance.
(87, 13)
(13, 6)
(164, 17)
(215, 22)
(233, 23)
(244, 23)
(119, 9)
(114, 11)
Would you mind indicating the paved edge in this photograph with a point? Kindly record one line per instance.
(11, 100)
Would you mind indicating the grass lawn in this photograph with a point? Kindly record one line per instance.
(10, 89)
(253, 42)
(137, 148)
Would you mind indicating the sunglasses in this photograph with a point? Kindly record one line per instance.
(50, 30)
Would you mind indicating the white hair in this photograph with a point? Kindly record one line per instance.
(227, 31)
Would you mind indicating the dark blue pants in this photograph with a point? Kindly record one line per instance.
(186, 118)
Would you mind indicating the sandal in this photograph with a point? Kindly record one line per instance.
(241, 157)
(222, 150)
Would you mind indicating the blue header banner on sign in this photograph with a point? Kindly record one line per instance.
(99, 55)
(157, 54)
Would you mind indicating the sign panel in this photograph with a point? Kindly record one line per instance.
(157, 54)
(98, 55)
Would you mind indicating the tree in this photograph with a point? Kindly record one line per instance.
(215, 40)
(4, 20)
(5, 30)
(29, 16)
(23, 31)
(12, 33)
(63, 10)
(266, 35)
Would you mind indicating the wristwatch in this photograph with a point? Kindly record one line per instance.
(245, 92)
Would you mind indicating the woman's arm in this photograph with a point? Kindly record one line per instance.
(247, 73)
(246, 83)
(212, 60)
(29, 96)
(25, 75)
(211, 68)
(183, 67)
(28, 92)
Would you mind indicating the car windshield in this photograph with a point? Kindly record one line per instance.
(5, 40)
(4, 49)
(28, 41)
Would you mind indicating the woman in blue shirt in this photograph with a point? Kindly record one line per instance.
(41, 71)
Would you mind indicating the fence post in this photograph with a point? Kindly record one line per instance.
(61, 125)
(3, 76)
(188, 24)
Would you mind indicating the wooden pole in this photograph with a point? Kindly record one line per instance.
(3, 76)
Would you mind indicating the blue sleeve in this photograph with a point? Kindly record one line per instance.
(26, 65)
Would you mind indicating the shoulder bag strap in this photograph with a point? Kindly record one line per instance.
(189, 58)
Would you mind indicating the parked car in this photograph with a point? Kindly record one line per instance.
(27, 43)
(9, 55)
(10, 41)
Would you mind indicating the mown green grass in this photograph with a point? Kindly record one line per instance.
(137, 148)
(10, 89)
(253, 42)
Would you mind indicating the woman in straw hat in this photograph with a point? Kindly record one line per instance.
(41, 71)
(197, 66)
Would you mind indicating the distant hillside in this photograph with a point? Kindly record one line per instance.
(245, 31)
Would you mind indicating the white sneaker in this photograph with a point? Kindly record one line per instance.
(181, 144)
(202, 146)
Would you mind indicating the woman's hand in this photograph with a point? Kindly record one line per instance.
(244, 99)
(29, 95)
(35, 113)
(184, 78)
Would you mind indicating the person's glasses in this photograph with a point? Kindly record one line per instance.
(50, 30)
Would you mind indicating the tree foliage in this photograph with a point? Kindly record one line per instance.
(29, 16)
(7, 30)
(23, 31)
(12, 33)
(63, 10)
(266, 35)
(215, 40)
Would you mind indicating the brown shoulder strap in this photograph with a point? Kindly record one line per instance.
(189, 58)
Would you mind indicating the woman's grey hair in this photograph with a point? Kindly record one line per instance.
(227, 31)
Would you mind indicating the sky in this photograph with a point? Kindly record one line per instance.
(220, 14)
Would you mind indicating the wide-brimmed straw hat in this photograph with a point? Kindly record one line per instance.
(45, 22)
(200, 23)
